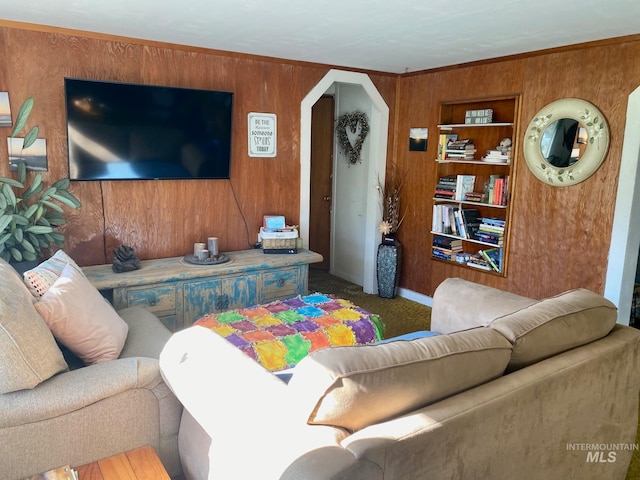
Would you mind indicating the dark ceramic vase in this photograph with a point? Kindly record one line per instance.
(389, 261)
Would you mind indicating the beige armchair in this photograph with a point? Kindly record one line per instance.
(78, 416)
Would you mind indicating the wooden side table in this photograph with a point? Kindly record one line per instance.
(139, 464)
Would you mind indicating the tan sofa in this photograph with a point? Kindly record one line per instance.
(52, 416)
(513, 388)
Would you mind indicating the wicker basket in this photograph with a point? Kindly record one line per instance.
(279, 242)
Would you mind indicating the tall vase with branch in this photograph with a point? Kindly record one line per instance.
(390, 201)
(389, 259)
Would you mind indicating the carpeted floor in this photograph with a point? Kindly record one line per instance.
(398, 314)
(402, 316)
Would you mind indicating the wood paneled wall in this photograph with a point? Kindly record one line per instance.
(164, 218)
(559, 236)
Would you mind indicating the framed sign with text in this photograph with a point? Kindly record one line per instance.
(262, 134)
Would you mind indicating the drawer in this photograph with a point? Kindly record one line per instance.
(279, 284)
(158, 298)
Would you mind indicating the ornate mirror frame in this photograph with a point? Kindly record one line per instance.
(597, 143)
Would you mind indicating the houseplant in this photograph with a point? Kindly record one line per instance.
(29, 214)
(389, 257)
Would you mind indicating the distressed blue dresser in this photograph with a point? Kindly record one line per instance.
(179, 293)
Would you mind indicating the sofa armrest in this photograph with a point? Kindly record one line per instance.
(460, 305)
(147, 334)
(243, 413)
(74, 390)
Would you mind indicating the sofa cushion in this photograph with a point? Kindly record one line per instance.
(488, 304)
(42, 277)
(353, 387)
(28, 352)
(555, 324)
(81, 319)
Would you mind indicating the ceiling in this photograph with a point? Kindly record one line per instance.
(393, 36)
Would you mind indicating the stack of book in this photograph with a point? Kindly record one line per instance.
(496, 156)
(455, 187)
(446, 248)
(444, 140)
(497, 189)
(491, 230)
(461, 150)
(473, 196)
(446, 187)
(478, 261)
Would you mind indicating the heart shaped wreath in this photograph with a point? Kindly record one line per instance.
(352, 129)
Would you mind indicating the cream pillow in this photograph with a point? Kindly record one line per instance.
(42, 277)
(353, 387)
(555, 325)
(28, 352)
(81, 319)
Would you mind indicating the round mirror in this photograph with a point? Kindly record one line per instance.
(566, 142)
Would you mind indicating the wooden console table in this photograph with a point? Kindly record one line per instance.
(179, 293)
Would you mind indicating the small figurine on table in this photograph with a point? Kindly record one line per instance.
(125, 259)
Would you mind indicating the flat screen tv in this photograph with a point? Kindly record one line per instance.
(122, 131)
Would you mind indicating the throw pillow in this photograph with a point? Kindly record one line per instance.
(28, 352)
(81, 319)
(42, 277)
(555, 325)
(353, 387)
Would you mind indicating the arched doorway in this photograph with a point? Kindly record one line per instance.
(373, 169)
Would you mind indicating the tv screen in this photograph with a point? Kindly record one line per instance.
(119, 131)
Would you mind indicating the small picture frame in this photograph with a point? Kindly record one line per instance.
(35, 156)
(5, 110)
(418, 139)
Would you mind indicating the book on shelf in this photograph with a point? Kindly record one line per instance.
(478, 261)
(470, 218)
(464, 184)
(447, 243)
(473, 197)
(493, 257)
(443, 140)
(496, 156)
(496, 190)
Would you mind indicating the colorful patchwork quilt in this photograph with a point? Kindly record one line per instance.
(281, 333)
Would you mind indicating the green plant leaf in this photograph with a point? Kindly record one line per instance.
(30, 138)
(12, 182)
(22, 170)
(19, 219)
(9, 195)
(63, 199)
(26, 245)
(57, 236)
(18, 234)
(15, 253)
(36, 187)
(31, 211)
(69, 196)
(30, 256)
(47, 193)
(5, 220)
(53, 206)
(62, 184)
(3, 202)
(4, 238)
(23, 116)
(38, 229)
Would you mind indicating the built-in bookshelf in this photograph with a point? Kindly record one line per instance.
(474, 183)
